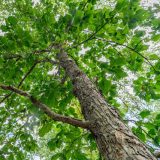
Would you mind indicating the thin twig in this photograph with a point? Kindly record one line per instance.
(92, 36)
(49, 49)
(16, 56)
(136, 122)
(27, 74)
(6, 96)
(20, 83)
(132, 49)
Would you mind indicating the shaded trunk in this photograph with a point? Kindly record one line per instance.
(114, 139)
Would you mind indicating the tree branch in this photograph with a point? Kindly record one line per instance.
(132, 49)
(20, 83)
(5, 97)
(16, 56)
(46, 109)
(48, 60)
(33, 66)
(92, 36)
(48, 50)
(41, 51)
(27, 74)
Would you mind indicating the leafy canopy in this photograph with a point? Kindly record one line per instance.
(113, 42)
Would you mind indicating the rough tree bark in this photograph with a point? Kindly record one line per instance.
(114, 139)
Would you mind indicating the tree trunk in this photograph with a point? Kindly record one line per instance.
(114, 139)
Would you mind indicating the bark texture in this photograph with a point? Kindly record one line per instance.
(114, 139)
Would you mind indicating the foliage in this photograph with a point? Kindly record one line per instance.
(109, 43)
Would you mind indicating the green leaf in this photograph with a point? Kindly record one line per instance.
(11, 157)
(153, 57)
(157, 140)
(12, 20)
(105, 85)
(152, 132)
(139, 133)
(92, 1)
(45, 129)
(4, 28)
(145, 113)
(142, 136)
(57, 156)
(149, 125)
(158, 116)
(120, 73)
(78, 16)
(156, 37)
(54, 143)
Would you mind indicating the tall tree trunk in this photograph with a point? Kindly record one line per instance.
(114, 139)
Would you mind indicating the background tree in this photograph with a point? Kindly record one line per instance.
(48, 49)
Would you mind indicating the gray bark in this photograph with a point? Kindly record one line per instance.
(114, 139)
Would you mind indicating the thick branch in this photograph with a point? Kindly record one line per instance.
(46, 109)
